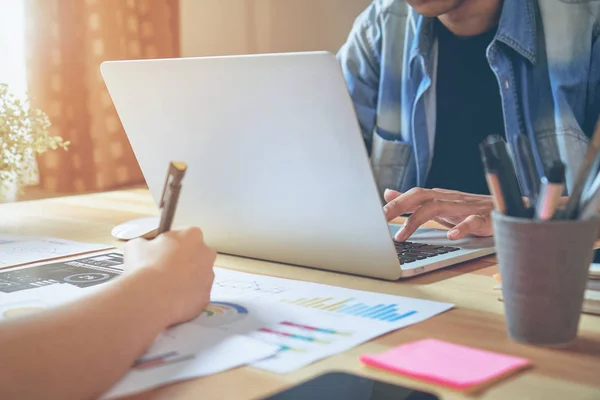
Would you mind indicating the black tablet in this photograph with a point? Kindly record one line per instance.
(341, 385)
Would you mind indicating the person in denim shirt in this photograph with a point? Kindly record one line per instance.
(479, 67)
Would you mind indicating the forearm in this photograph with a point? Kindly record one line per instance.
(79, 350)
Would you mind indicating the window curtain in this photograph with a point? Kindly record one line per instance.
(66, 41)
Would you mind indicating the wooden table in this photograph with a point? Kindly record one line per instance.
(477, 320)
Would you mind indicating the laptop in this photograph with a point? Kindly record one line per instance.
(277, 166)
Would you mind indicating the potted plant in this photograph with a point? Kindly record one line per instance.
(24, 133)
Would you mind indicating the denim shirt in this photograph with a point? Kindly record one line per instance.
(545, 55)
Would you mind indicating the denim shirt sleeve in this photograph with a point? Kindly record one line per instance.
(360, 60)
(593, 102)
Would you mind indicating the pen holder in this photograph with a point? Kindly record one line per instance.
(544, 270)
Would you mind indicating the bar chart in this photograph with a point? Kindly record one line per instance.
(284, 344)
(295, 336)
(298, 340)
(315, 329)
(350, 306)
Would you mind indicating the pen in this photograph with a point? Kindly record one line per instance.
(511, 193)
(571, 209)
(490, 164)
(552, 188)
(527, 168)
(170, 195)
(591, 200)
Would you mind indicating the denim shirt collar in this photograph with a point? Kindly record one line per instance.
(424, 35)
(516, 29)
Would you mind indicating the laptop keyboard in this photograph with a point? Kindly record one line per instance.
(410, 252)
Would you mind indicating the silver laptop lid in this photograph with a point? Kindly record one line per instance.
(277, 168)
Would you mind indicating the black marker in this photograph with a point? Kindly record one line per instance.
(527, 168)
(491, 164)
(509, 184)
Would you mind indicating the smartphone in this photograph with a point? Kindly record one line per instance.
(342, 385)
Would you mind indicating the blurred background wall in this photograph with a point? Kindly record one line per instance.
(218, 27)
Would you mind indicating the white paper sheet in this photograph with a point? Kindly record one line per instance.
(191, 353)
(19, 250)
(309, 321)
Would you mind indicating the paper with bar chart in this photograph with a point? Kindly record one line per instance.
(308, 321)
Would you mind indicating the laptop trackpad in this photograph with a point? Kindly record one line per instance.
(438, 237)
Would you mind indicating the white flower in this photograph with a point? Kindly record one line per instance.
(24, 131)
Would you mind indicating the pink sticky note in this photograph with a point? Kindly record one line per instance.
(449, 364)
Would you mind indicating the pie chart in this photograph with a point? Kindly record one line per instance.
(221, 313)
(21, 311)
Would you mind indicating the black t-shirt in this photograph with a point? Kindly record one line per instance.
(469, 108)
